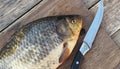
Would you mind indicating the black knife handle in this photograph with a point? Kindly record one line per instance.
(76, 62)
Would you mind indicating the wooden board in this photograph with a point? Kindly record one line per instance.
(11, 10)
(99, 54)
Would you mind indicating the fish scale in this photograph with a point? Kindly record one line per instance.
(38, 45)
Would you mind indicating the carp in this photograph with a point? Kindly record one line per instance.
(42, 44)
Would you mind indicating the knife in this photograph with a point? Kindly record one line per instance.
(89, 38)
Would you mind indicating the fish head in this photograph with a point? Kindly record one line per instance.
(69, 26)
(71, 31)
(75, 24)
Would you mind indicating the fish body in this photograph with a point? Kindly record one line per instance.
(41, 44)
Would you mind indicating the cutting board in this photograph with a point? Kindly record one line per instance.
(104, 53)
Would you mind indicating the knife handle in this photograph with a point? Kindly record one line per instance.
(76, 62)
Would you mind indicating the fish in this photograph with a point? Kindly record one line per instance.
(41, 44)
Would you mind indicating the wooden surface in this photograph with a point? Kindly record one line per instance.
(90, 3)
(103, 55)
(10, 10)
(116, 37)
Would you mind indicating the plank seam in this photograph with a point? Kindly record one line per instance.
(114, 32)
(93, 5)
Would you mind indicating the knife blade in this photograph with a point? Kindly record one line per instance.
(89, 38)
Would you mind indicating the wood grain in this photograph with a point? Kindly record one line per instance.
(116, 37)
(10, 10)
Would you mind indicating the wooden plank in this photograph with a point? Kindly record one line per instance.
(116, 37)
(10, 10)
(90, 3)
(111, 15)
(103, 49)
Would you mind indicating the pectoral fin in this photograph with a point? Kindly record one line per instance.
(65, 54)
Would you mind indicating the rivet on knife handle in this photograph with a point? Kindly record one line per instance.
(77, 61)
(89, 38)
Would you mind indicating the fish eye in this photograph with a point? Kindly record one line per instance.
(73, 21)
